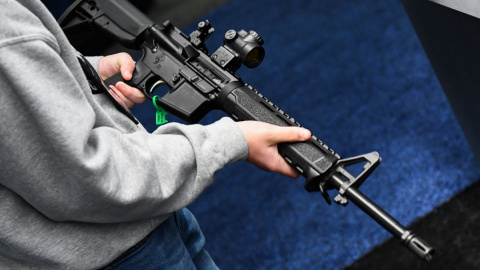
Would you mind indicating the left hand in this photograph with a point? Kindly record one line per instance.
(263, 139)
(121, 62)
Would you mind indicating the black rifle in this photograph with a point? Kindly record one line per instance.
(199, 82)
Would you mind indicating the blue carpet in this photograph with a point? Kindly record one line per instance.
(356, 75)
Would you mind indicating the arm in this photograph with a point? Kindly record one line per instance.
(72, 159)
(262, 139)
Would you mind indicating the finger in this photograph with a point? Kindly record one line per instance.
(276, 163)
(133, 94)
(125, 100)
(287, 170)
(126, 65)
(289, 134)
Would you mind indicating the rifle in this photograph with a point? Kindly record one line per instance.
(199, 82)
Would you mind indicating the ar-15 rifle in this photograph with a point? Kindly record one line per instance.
(199, 82)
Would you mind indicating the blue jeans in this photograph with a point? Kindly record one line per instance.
(178, 243)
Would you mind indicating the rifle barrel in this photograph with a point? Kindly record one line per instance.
(410, 240)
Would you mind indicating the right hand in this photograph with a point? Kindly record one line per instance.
(121, 62)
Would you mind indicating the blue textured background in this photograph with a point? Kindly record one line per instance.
(355, 74)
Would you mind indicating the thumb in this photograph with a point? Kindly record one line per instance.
(289, 134)
(126, 65)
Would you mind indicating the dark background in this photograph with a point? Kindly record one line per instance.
(355, 73)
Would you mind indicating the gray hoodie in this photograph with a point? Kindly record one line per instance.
(80, 182)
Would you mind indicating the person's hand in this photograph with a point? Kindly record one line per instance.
(121, 62)
(263, 138)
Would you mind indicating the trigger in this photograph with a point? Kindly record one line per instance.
(154, 86)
